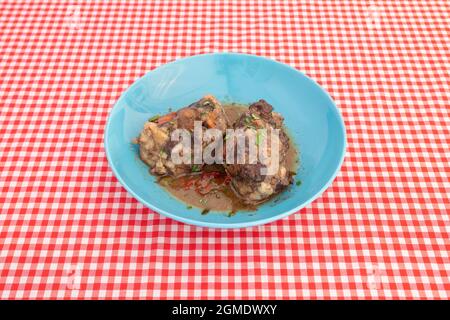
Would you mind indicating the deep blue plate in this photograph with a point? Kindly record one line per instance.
(311, 117)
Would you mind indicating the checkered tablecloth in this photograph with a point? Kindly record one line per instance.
(68, 229)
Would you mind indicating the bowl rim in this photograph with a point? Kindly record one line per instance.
(231, 225)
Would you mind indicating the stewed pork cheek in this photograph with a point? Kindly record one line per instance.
(155, 139)
(247, 180)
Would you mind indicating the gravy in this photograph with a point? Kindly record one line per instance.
(210, 189)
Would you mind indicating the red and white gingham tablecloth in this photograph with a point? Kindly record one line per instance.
(68, 229)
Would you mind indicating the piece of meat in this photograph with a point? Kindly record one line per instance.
(155, 139)
(248, 182)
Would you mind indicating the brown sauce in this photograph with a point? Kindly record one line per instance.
(210, 189)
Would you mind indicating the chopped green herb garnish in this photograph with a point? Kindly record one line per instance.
(254, 116)
(248, 122)
(154, 118)
(207, 103)
(205, 211)
(195, 168)
(189, 207)
(259, 137)
(231, 213)
(298, 183)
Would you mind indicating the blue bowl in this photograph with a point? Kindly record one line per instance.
(311, 117)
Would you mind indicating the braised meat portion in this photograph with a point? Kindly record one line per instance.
(248, 180)
(155, 140)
